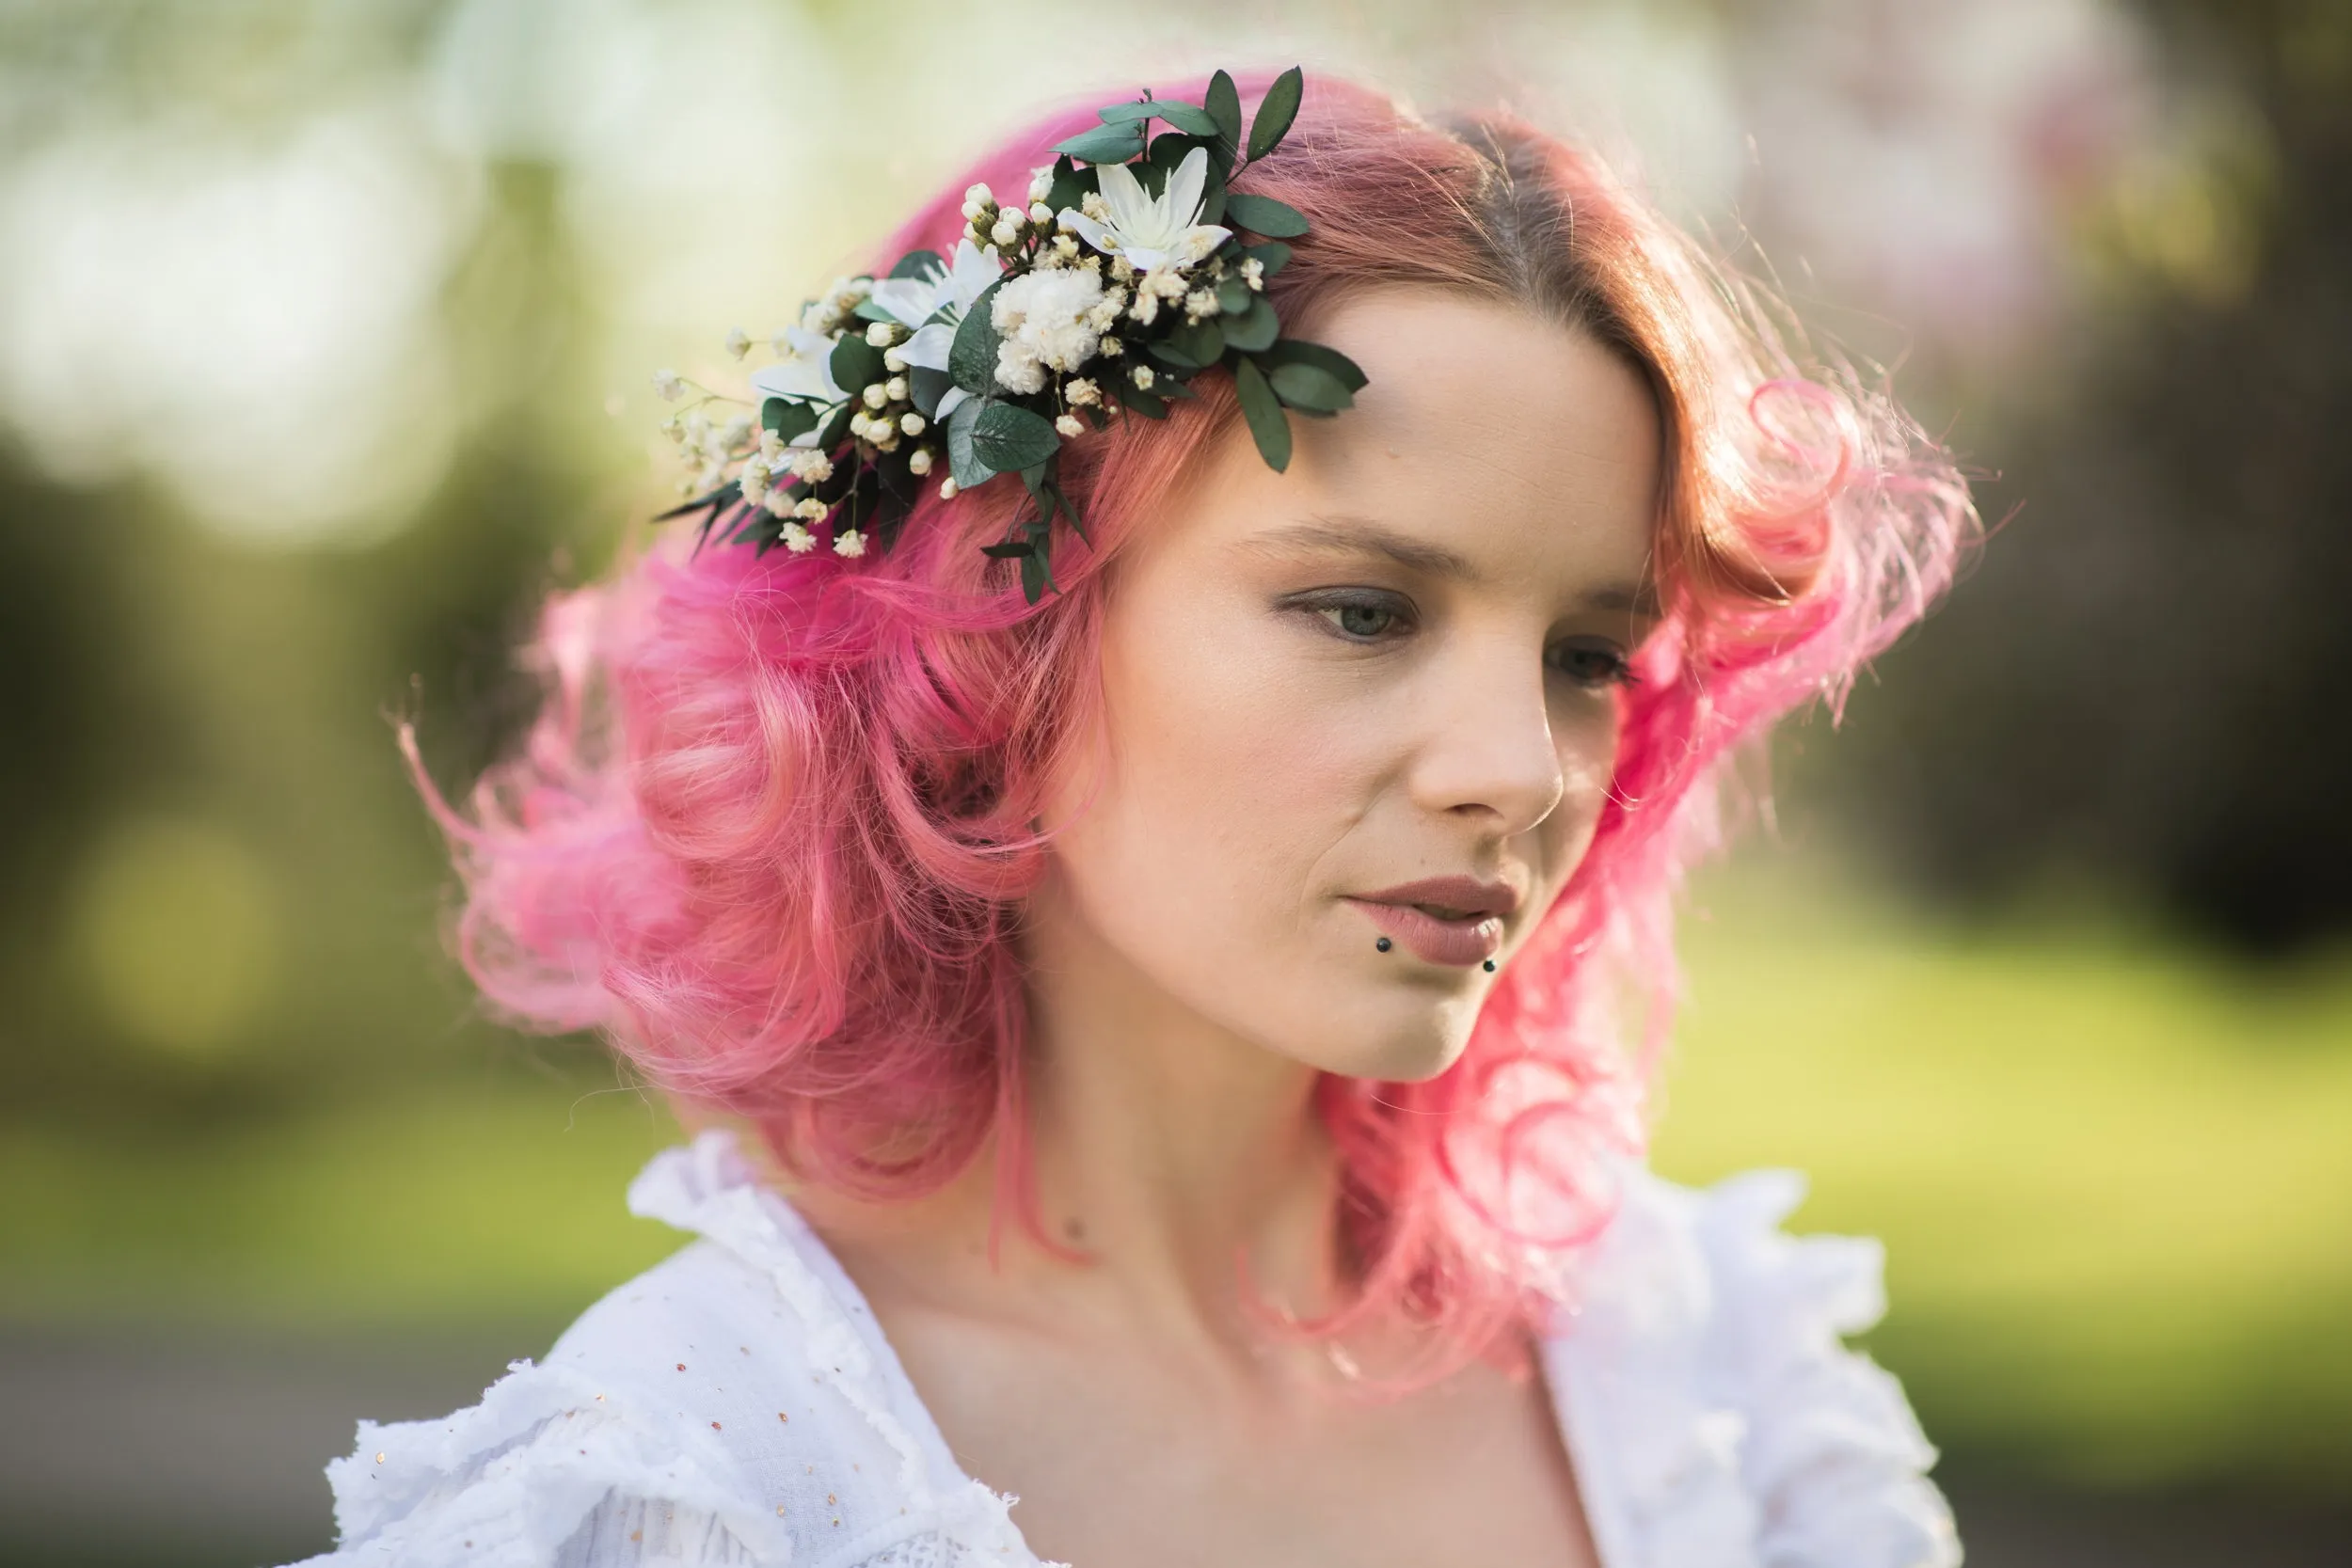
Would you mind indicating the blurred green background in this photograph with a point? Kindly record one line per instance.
(325, 339)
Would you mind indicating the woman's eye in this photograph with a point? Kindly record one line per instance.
(1361, 620)
(1592, 664)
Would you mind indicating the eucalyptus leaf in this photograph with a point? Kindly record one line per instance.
(1187, 117)
(787, 418)
(1212, 194)
(1233, 295)
(1201, 341)
(1150, 404)
(972, 358)
(1310, 387)
(866, 309)
(1273, 255)
(925, 386)
(836, 426)
(1274, 113)
(1007, 436)
(1175, 358)
(856, 363)
(1070, 185)
(1269, 425)
(1105, 144)
(1171, 148)
(1296, 351)
(1262, 214)
(1132, 111)
(1253, 329)
(1224, 105)
(962, 462)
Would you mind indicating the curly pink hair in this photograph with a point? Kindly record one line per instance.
(771, 831)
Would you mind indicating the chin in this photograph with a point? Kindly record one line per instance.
(1399, 1049)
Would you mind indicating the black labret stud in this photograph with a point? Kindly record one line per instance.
(1384, 944)
(1490, 966)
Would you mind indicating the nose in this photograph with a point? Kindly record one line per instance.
(1490, 750)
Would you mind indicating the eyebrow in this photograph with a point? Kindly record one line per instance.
(1350, 534)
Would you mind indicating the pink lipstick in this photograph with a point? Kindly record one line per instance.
(1444, 920)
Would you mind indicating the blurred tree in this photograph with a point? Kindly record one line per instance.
(2145, 683)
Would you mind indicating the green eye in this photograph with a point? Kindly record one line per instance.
(1361, 620)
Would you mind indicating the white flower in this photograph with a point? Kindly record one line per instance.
(876, 395)
(810, 465)
(1080, 391)
(1111, 346)
(894, 361)
(1044, 320)
(804, 377)
(946, 293)
(1066, 248)
(798, 539)
(738, 430)
(1040, 183)
(1253, 272)
(979, 193)
(911, 422)
(668, 386)
(778, 504)
(849, 542)
(810, 508)
(1146, 308)
(896, 388)
(1005, 232)
(1198, 303)
(920, 462)
(1151, 231)
(1039, 213)
(739, 342)
(1143, 377)
(948, 489)
(755, 478)
(881, 334)
(1070, 424)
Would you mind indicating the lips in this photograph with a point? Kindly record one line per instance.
(1456, 921)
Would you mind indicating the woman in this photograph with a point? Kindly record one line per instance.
(1172, 999)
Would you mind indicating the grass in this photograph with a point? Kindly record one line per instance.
(2114, 1177)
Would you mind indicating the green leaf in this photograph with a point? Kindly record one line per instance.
(925, 386)
(1187, 117)
(919, 264)
(787, 418)
(1224, 105)
(1202, 342)
(1150, 404)
(1255, 328)
(1105, 144)
(1070, 185)
(836, 426)
(855, 363)
(1213, 195)
(866, 309)
(1007, 436)
(1269, 425)
(972, 358)
(1273, 255)
(1175, 358)
(1035, 575)
(1296, 351)
(1233, 295)
(1310, 387)
(1262, 214)
(1274, 113)
(1133, 110)
(1171, 148)
(1011, 549)
(962, 462)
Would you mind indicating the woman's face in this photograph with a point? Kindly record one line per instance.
(1360, 718)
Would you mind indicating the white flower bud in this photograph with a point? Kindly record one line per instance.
(896, 388)
(857, 422)
(894, 361)
(919, 460)
(876, 394)
(739, 342)
(668, 386)
(798, 539)
(1005, 232)
(911, 422)
(881, 334)
(1070, 424)
(1040, 183)
(1039, 213)
(948, 489)
(981, 193)
(849, 542)
(1143, 376)
(1253, 272)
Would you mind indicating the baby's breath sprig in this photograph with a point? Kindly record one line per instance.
(1117, 277)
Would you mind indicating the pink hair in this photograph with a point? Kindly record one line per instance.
(772, 830)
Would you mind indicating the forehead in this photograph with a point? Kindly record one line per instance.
(1525, 447)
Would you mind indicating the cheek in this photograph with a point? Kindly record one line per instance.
(1588, 734)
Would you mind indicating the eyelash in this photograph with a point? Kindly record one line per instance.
(1328, 607)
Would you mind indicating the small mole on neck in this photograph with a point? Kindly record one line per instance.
(1074, 1228)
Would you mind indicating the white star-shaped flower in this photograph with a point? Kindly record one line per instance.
(946, 293)
(807, 376)
(1148, 232)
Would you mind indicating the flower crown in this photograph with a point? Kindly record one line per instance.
(1119, 280)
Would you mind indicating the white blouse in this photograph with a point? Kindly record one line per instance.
(738, 1404)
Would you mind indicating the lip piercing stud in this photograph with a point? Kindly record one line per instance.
(1490, 966)
(1384, 944)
